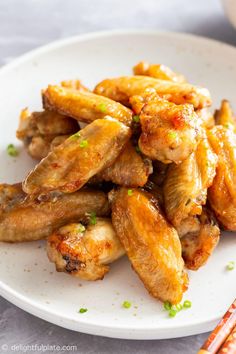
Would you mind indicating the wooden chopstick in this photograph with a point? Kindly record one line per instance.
(221, 332)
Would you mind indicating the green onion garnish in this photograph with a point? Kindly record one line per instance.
(83, 143)
(81, 228)
(12, 150)
(187, 304)
(172, 312)
(130, 192)
(172, 135)
(231, 265)
(102, 107)
(93, 218)
(137, 148)
(136, 119)
(75, 136)
(83, 310)
(167, 305)
(126, 304)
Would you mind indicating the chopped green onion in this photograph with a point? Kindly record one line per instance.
(12, 150)
(137, 148)
(75, 136)
(130, 192)
(167, 305)
(231, 265)
(102, 107)
(83, 310)
(83, 143)
(187, 304)
(81, 228)
(172, 135)
(126, 304)
(93, 218)
(172, 312)
(136, 119)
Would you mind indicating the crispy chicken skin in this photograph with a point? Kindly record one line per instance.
(84, 106)
(151, 243)
(169, 131)
(71, 164)
(130, 169)
(186, 184)
(27, 219)
(84, 252)
(224, 116)
(38, 129)
(159, 71)
(222, 193)
(122, 88)
(198, 245)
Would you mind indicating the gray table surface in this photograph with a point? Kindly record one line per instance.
(27, 24)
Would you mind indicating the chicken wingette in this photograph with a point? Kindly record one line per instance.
(85, 251)
(130, 169)
(222, 193)
(186, 184)
(169, 131)
(71, 164)
(122, 88)
(159, 71)
(27, 219)
(199, 242)
(151, 243)
(84, 106)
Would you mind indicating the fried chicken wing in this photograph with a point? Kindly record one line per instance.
(84, 252)
(186, 184)
(169, 131)
(151, 243)
(130, 169)
(27, 219)
(122, 88)
(159, 71)
(198, 245)
(84, 106)
(40, 146)
(70, 165)
(222, 193)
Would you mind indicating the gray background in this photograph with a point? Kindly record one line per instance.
(26, 24)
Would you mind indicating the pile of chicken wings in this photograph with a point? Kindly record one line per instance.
(151, 174)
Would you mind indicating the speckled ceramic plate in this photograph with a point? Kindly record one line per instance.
(27, 278)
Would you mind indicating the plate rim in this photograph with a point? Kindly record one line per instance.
(116, 331)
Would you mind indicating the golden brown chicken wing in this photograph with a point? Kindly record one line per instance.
(159, 71)
(70, 165)
(222, 193)
(27, 219)
(84, 106)
(186, 184)
(84, 252)
(151, 243)
(122, 88)
(130, 169)
(198, 245)
(169, 131)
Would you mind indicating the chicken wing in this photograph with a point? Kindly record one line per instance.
(84, 106)
(159, 71)
(198, 245)
(40, 146)
(169, 131)
(84, 252)
(186, 184)
(70, 165)
(122, 88)
(27, 219)
(151, 243)
(222, 193)
(130, 169)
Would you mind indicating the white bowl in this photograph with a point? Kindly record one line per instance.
(230, 10)
(27, 279)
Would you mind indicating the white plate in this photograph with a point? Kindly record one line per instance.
(27, 278)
